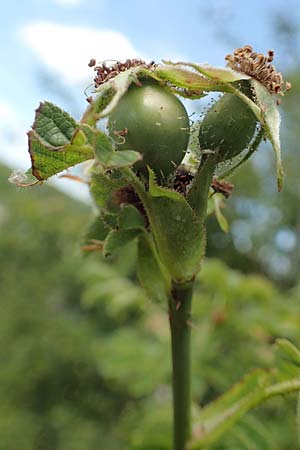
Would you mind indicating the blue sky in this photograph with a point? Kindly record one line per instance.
(46, 45)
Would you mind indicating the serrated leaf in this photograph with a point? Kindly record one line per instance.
(104, 189)
(271, 123)
(96, 234)
(55, 126)
(130, 217)
(251, 381)
(252, 434)
(288, 358)
(124, 158)
(178, 233)
(158, 191)
(56, 142)
(215, 419)
(116, 239)
(47, 162)
(111, 219)
(152, 275)
(106, 155)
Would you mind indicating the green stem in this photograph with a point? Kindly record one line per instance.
(198, 195)
(180, 316)
(285, 387)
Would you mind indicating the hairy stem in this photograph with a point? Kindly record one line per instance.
(180, 316)
(198, 195)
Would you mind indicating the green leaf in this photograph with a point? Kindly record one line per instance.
(250, 382)
(119, 85)
(222, 221)
(104, 189)
(178, 233)
(184, 79)
(203, 78)
(288, 358)
(219, 416)
(47, 162)
(152, 275)
(56, 142)
(104, 151)
(96, 234)
(271, 123)
(252, 434)
(111, 219)
(116, 239)
(130, 217)
(216, 418)
(124, 158)
(110, 93)
(158, 191)
(104, 96)
(110, 232)
(217, 74)
(55, 126)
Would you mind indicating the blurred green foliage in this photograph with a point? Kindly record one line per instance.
(84, 356)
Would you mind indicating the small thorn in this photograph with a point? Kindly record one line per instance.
(178, 305)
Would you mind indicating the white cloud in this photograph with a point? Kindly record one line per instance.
(13, 138)
(7, 112)
(68, 49)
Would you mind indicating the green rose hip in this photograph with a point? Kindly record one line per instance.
(228, 127)
(151, 120)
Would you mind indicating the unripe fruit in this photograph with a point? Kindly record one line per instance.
(151, 120)
(228, 127)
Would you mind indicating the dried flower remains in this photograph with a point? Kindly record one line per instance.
(105, 72)
(258, 66)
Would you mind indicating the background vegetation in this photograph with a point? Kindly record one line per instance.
(84, 356)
